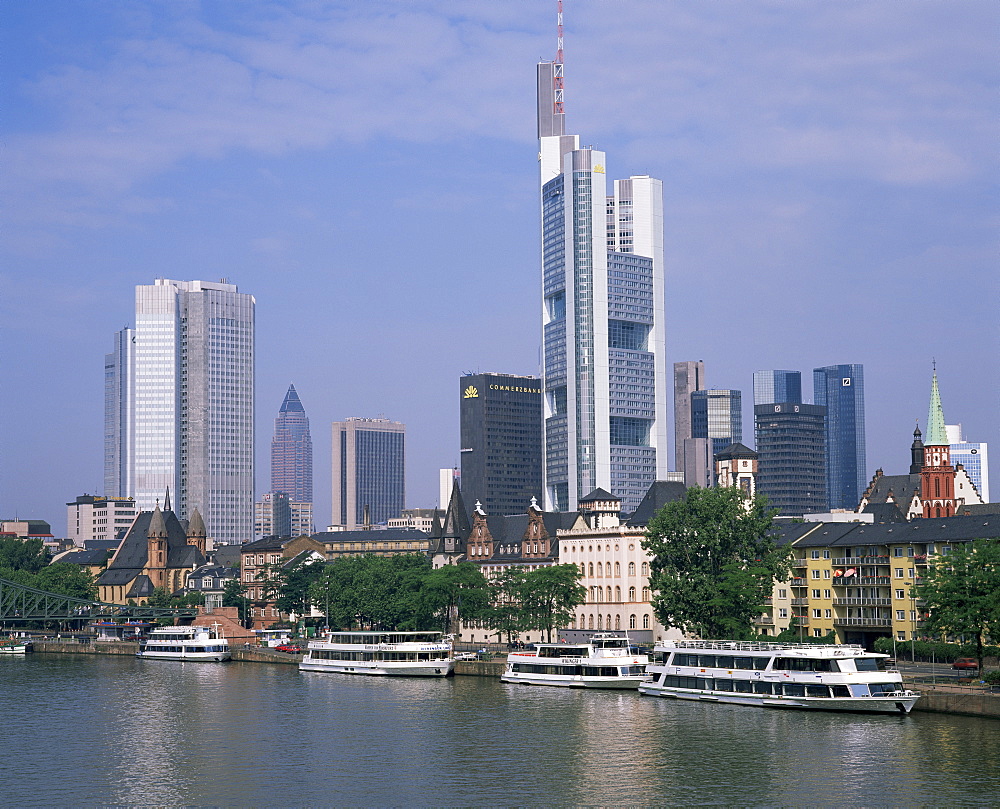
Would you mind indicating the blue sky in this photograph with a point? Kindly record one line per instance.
(367, 171)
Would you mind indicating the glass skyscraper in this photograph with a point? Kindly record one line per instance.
(718, 415)
(791, 456)
(368, 466)
(501, 429)
(974, 457)
(841, 390)
(772, 387)
(604, 376)
(179, 404)
(291, 451)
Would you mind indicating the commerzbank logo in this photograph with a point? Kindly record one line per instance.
(471, 392)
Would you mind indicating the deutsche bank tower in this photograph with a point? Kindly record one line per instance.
(604, 365)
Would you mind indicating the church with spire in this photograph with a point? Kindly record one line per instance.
(934, 486)
(159, 550)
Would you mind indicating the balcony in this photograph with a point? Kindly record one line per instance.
(854, 581)
(862, 602)
(798, 581)
(801, 620)
(800, 563)
(862, 621)
(800, 602)
(858, 561)
(764, 619)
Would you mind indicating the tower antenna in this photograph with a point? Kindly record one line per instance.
(557, 79)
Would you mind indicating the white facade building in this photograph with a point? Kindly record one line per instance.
(973, 457)
(604, 367)
(90, 517)
(180, 404)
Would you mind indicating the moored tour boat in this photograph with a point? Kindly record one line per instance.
(195, 643)
(777, 675)
(400, 654)
(605, 661)
(15, 646)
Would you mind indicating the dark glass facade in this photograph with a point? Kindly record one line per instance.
(717, 414)
(841, 389)
(791, 449)
(774, 387)
(501, 434)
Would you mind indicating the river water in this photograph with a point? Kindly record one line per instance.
(86, 730)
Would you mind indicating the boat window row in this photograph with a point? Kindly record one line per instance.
(754, 687)
(183, 649)
(367, 639)
(157, 636)
(580, 671)
(565, 651)
(368, 657)
(720, 661)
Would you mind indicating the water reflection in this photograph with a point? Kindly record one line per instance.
(153, 732)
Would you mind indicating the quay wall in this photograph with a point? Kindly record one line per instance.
(122, 647)
(957, 702)
(481, 668)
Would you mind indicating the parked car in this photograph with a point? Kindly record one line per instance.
(291, 648)
(466, 656)
(965, 663)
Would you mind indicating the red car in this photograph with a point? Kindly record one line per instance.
(291, 648)
(965, 663)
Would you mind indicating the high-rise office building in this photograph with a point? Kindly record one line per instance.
(501, 433)
(276, 515)
(791, 456)
(689, 376)
(604, 368)
(974, 458)
(718, 415)
(118, 371)
(179, 404)
(368, 464)
(841, 390)
(291, 451)
(774, 387)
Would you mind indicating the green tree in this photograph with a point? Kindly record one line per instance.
(962, 593)
(549, 597)
(454, 593)
(714, 562)
(234, 594)
(506, 612)
(22, 554)
(68, 579)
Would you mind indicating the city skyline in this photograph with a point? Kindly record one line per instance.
(781, 147)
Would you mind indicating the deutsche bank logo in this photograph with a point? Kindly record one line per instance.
(845, 382)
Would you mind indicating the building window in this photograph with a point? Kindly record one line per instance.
(815, 574)
(645, 594)
(782, 593)
(900, 615)
(826, 554)
(782, 612)
(897, 551)
(631, 622)
(814, 554)
(815, 593)
(817, 633)
(645, 568)
(826, 594)
(618, 593)
(909, 572)
(817, 614)
(618, 569)
(631, 568)
(901, 635)
(827, 613)
(645, 622)
(900, 594)
(899, 572)
(631, 594)
(826, 574)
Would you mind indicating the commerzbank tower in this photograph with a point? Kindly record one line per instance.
(603, 366)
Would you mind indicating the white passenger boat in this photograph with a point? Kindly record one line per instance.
(15, 646)
(605, 661)
(776, 675)
(397, 654)
(196, 643)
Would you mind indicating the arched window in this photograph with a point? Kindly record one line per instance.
(583, 569)
(591, 567)
(618, 622)
(631, 622)
(631, 594)
(600, 621)
(645, 568)
(618, 569)
(591, 621)
(631, 568)
(609, 595)
(618, 593)
(645, 622)
(600, 594)
(645, 594)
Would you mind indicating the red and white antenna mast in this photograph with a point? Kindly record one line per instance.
(557, 79)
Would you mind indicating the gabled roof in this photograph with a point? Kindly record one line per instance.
(659, 494)
(902, 487)
(734, 451)
(142, 587)
(598, 494)
(133, 555)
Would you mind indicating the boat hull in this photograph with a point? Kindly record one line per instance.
(18, 649)
(194, 657)
(885, 704)
(572, 681)
(441, 668)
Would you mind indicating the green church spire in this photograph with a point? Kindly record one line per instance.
(936, 436)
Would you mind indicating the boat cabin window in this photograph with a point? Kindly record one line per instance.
(869, 663)
(563, 651)
(804, 664)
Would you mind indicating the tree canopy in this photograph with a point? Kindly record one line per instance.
(549, 597)
(961, 591)
(714, 562)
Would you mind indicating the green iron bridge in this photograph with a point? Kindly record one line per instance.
(21, 605)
